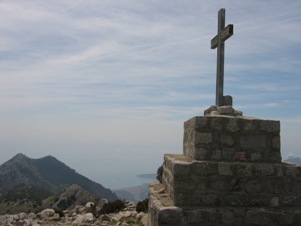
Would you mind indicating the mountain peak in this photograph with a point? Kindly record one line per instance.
(20, 156)
(45, 174)
(49, 158)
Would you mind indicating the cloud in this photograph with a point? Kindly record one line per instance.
(93, 53)
(100, 73)
(124, 45)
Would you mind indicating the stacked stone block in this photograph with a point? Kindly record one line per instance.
(225, 138)
(231, 184)
(230, 173)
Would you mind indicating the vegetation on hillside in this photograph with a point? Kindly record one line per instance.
(22, 198)
(112, 207)
(142, 206)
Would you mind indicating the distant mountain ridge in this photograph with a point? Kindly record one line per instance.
(134, 194)
(293, 159)
(137, 193)
(38, 178)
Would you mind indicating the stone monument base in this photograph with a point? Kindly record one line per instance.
(215, 193)
(230, 174)
(162, 212)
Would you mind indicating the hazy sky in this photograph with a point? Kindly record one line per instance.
(105, 86)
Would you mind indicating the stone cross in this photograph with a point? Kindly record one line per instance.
(218, 42)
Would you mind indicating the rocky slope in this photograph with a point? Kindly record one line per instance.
(68, 199)
(80, 215)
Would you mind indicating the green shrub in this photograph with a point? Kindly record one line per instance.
(142, 206)
(112, 207)
(129, 220)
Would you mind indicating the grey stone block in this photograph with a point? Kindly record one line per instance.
(200, 153)
(210, 109)
(216, 155)
(232, 125)
(216, 124)
(274, 201)
(276, 142)
(170, 215)
(270, 126)
(253, 141)
(263, 170)
(253, 186)
(228, 154)
(256, 157)
(224, 169)
(227, 140)
(225, 110)
(203, 138)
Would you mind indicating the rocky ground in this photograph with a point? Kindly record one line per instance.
(78, 216)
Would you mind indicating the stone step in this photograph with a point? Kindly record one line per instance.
(208, 183)
(162, 212)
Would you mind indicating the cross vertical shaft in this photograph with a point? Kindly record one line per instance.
(220, 60)
(218, 42)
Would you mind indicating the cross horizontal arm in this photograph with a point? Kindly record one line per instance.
(226, 33)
